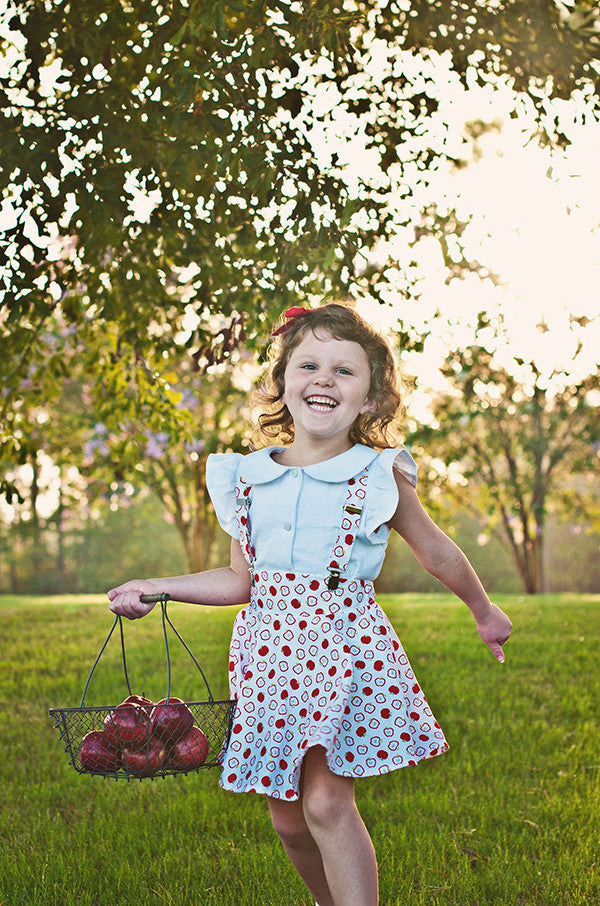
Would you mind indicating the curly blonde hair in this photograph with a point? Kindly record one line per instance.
(377, 428)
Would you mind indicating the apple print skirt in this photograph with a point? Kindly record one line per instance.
(314, 661)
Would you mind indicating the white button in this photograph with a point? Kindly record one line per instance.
(287, 527)
(295, 473)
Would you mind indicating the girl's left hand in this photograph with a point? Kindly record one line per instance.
(125, 599)
(495, 630)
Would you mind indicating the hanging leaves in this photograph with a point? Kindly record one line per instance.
(159, 164)
(226, 341)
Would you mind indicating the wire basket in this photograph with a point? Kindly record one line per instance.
(140, 738)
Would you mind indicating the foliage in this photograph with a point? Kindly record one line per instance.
(90, 551)
(513, 444)
(168, 455)
(85, 467)
(537, 44)
(184, 107)
(161, 159)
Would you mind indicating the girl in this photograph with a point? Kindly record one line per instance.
(325, 692)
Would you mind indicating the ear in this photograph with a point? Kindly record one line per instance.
(369, 405)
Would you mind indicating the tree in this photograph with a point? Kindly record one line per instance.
(160, 159)
(46, 495)
(140, 446)
(513, 444)
(168, 458)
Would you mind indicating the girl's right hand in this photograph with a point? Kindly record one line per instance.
(125, 599)
(495, 631)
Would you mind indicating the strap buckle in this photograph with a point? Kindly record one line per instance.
(334, 579)
(353, 510)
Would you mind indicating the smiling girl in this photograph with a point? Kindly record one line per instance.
(324, 689)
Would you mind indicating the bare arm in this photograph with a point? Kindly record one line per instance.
(228, 585)
(441, 557)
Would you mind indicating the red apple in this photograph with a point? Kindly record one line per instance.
(146, 761)
(97, 753)
(127, 725)
(190, 751)
(140, 700)
(171, 719)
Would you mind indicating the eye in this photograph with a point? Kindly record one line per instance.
(344, 371)
(308, 366)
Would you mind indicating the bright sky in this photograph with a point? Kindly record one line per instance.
(535, 223)
(535, 212)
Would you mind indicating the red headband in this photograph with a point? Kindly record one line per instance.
(292, 315)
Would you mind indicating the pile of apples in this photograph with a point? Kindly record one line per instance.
(142, 737)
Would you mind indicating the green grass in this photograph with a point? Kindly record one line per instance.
(508, 816)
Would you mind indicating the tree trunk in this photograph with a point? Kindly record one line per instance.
(200, 540)
(526, 556)
(60, 535)
(36, 533)
(184, 530)
(532, 580)
(539, 556)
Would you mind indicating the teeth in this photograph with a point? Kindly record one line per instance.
(321, 403)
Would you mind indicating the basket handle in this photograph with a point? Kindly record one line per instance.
(148, 599)
(101, 652)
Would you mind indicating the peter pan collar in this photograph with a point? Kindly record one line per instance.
(260, 467)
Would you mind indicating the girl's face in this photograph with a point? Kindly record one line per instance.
(327, 385)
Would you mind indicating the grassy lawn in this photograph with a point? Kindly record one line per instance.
(508, 816)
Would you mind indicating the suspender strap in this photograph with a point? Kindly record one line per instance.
(242, 504)
(342, 549)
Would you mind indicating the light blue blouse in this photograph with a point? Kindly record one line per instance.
(295, 513)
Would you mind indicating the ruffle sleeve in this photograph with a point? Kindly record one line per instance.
(221, 477)
(382, 495)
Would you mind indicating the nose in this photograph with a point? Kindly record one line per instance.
(323, 379)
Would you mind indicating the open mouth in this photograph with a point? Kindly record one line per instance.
(321, 403)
